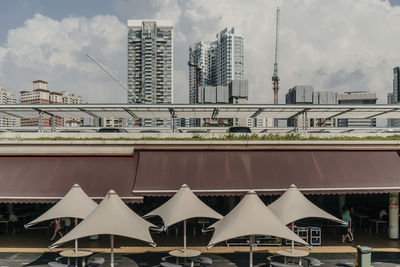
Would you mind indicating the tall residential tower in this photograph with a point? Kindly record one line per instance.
(216, 73)
(150, 63)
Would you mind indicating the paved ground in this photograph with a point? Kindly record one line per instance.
(219, 260)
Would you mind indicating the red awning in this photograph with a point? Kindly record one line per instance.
(268, 172)
(47, 179)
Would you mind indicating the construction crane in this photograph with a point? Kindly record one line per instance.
(275, 77)
(112, 76)
(197, 75)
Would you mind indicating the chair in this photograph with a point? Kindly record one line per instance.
(204, 261)
(273, 258)
(313, 261)
(96, 261)
(168, 264)
(166, 258)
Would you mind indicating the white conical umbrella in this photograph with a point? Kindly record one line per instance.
(75, 204)
(111, 217)
(293, 206)
(249, 218)
(182, 206)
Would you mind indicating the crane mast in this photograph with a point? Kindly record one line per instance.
(110, 74)
(275, 77)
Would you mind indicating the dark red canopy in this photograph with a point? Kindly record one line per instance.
(46, 179)
(230, 172)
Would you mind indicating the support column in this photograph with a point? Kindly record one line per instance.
(393, 216)
(53, 123)
(40, 122)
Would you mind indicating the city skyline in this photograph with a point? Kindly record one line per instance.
(345, 50)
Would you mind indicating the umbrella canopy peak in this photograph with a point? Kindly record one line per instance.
(293, 206)
(182, 206)
(250, 217)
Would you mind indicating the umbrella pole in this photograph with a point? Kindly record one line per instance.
(292, 240)
(184, 236)
(76, 245)
(112, 250)
(251, 250)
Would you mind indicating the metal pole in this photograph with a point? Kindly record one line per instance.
(292, 240)
(112, 250)
(184, 236)
(40, 123)
(53, 123)
(251, 251)
(76, 246)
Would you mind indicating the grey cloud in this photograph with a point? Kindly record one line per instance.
(342, 77)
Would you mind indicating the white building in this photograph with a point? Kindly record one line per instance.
(218, 64)
(229, 63)
(150, 64)
(70, 98)
(199, 55)
(7, 97)
(221, 61)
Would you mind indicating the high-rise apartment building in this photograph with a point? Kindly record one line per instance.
(229, 57)
(216, 68)
(150, 64)
(200, 55)
(394, 97)
(7, 97)
(217, 63)
(356, 98)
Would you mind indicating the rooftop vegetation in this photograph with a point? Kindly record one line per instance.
(227, 137)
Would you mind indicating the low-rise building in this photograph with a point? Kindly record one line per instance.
(304, 94)
(40, 95)
(357, 97)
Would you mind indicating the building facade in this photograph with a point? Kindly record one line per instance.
(150, 64)
(394, 97)
(7, 97)
(304, 94)
(357, 98)
(229, 57)
(216, 74)
(201, 56)
(71, 98)
(41, 95)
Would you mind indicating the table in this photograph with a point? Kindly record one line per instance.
(377, 222)
(361, 217)
(296, 253)
(76, 254)
(189, 253)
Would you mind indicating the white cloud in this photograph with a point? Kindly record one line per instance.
(56, 51)
(333, 45)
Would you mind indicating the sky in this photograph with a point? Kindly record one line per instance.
(339, 45)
